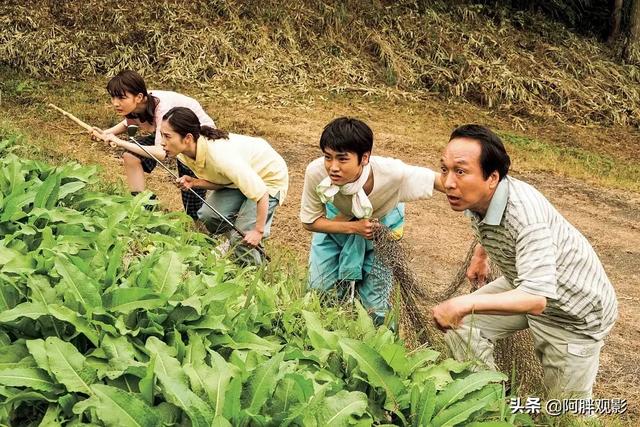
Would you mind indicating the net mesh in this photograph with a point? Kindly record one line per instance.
(413, 301)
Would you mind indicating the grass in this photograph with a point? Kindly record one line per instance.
(514, 62)
(289, 269)
(536, 155)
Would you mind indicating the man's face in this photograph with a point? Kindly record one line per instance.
(343, 167)
(462, 177)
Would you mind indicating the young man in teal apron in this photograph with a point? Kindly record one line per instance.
(347, 194)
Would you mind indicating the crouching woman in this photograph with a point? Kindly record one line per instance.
(248, 177)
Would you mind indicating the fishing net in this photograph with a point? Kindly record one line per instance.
(414, 299)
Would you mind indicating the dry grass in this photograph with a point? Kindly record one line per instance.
(514, 62)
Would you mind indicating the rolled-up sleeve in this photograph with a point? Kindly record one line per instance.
(536, 261)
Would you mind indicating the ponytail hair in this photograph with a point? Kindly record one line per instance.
(132, 82)
(184, 121)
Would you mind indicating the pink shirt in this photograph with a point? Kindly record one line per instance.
(166, 101)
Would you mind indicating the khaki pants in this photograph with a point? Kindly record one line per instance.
(570, 360)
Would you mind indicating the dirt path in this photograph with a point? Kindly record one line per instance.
(438, 236)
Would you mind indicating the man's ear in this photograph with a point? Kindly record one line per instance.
(494, 179)
(188, 138)
(365, 158)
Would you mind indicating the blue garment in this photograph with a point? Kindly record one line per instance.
(242, 212)
(336, 259)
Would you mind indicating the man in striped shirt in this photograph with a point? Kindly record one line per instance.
(552, 282)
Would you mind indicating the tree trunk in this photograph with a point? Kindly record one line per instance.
(632, 52)
(616, 19)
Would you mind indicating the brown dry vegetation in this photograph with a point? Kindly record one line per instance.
(513, 61)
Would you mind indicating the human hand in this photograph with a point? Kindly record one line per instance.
(96, 134)
(252, 238)
(111, 139)
(449, 314)
(478, 270)
(185, 182)
(366, 227)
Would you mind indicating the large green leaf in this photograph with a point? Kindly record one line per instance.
(220, 421)
(175, 384)
(418, 359)
(460, 388)
(423, 402)
(126, 300)
(292, 389)
(38, 351)
(320, 338)
(373, 365)
(439, 373)
(339, 410)
(167, 273)
(459, 412)
(116, 407)
(198, 411)
(81, 286)
(245, 340)
(78, 321)
(47, 194)
(12, 205)
(9, 296)
(212, 380)
(41, 290)
(120, 354)
(32, 310)
(34, 378)
(13, 261)
(68, 366)
(51, 417)
(70, 188)
(262, 383)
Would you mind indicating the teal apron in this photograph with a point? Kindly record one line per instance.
(337, 259)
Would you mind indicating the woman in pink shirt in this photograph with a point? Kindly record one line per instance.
(131, 100)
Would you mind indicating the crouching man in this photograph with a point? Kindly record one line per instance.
(553, 282)
(348, 193)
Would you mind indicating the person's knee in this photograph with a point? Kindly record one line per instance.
(209, 218)
(131, 160)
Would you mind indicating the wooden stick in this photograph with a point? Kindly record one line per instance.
(79, 122)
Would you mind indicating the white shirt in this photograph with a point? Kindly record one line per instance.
(393, 182)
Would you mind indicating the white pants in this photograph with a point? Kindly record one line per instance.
(570, 360)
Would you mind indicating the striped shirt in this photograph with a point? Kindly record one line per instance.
(541, 253)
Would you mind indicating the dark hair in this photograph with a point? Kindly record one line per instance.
(132, 82)
(184, 121)
(347, 134)
(493, 155)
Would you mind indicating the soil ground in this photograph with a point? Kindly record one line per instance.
(439, 237)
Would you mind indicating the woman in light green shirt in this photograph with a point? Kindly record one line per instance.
(248, 177)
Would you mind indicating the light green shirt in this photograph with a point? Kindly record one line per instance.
(243, 162)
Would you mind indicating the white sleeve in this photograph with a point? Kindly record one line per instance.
(417, 183)
(311, 207)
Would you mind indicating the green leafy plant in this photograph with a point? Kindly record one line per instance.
(113, 315)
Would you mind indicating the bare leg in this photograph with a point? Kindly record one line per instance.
(134, 172)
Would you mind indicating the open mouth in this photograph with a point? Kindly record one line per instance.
(453, 199)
